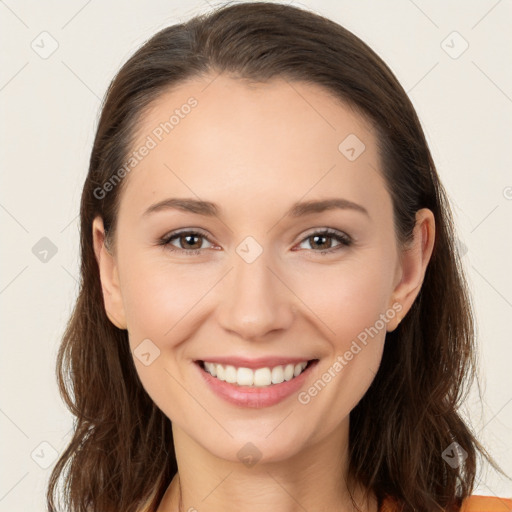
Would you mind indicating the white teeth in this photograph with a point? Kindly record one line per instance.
(288, 371)
(245, 377)
(259, 377)
(230, 374)
(277, 375)
(262, 377)
(211, 368)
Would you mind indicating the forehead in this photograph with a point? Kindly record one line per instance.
(229, 140)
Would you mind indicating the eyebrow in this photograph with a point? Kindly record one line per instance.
(210, 209)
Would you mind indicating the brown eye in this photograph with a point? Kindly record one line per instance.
(188, 242)
(321, 241)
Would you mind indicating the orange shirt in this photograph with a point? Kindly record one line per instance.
(472, 504)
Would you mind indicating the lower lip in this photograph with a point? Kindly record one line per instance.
(251, 396)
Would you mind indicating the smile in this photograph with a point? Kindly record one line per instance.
(259, 377)
(259, 386)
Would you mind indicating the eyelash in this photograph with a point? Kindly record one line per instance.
(345, 241)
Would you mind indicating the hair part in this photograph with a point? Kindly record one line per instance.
(121, 454)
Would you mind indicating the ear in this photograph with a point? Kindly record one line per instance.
(109, 276)
(413, 264)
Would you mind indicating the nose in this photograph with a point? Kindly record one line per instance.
(255, 299)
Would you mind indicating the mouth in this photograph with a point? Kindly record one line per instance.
(259, 386)
(259, 377)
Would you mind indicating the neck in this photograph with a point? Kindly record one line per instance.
(313, 479)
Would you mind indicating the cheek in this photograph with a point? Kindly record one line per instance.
(159, 302)
(349, 305)
(345, 299)
(158, 297)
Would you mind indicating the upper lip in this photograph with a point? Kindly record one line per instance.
(260, 362)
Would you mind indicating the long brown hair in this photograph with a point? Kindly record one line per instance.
(121, 454)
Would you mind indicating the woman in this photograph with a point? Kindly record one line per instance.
(272, 311)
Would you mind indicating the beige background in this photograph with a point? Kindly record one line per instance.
(49, 106)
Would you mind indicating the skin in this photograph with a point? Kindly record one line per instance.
(255, 150)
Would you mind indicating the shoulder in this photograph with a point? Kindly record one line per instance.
(473, 503)
(486, 504)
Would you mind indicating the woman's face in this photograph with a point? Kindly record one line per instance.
(261, 279)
